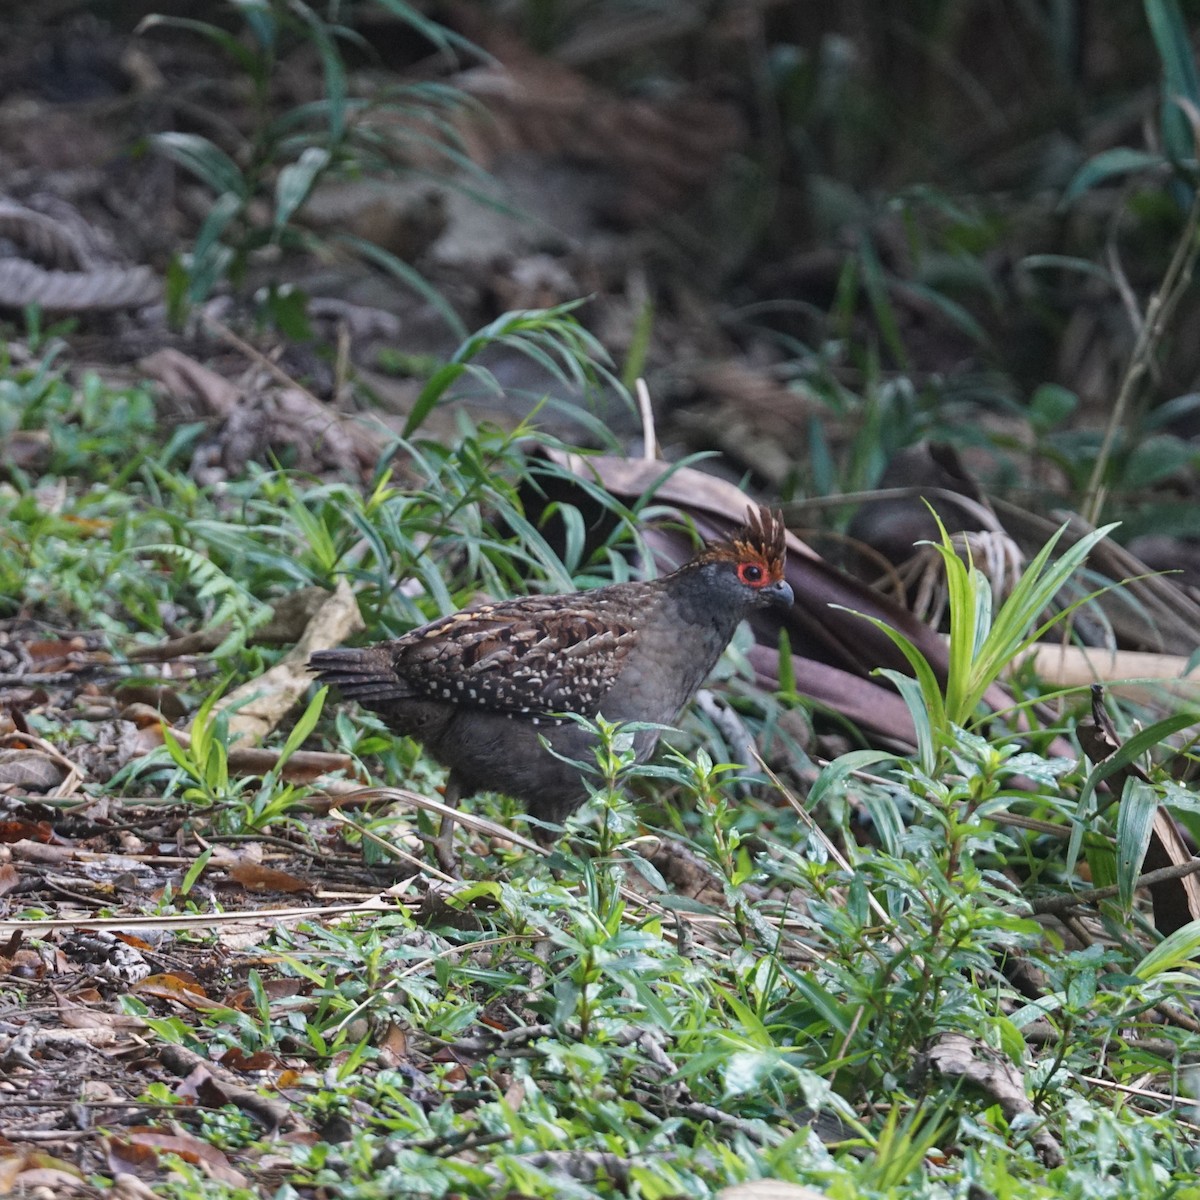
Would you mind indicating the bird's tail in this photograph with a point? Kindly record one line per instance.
(365, 675)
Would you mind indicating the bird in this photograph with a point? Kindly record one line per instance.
(481, 687)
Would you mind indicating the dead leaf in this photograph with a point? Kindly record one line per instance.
(26, 831)
(180, 991)
(255, 878)
(132, 940)
(955, 1057)
(236, 1059)
(11, 1167)
(514, 1095)
(201, 390)
(72, 777)
(278, 988)
(203, 1084)
(258, 706)
(190, 1149)
(76, 1016)
(26, 450)
(29, 771)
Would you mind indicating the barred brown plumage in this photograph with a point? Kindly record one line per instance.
(480, 687)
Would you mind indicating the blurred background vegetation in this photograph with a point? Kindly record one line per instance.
(822, 231)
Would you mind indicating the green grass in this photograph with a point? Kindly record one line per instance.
(585, 1024)
(673, 1044)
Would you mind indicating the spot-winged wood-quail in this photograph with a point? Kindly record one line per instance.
(480, 687)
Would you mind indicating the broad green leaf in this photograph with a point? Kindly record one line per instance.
(1178, 950)
(204, 159)
(1173, 41)
(304, 726)
(837, 772)
(296, 181)
(1135, 823)
(1109, 164)
(1050, 405)
(245, 59)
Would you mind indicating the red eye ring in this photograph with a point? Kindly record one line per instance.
(752, 574)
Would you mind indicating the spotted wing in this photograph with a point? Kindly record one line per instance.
(536, 655)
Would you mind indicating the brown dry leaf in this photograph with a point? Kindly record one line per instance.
(225, 856)
(204, 1085)
(393, 1046)
(35, 1169)
(29, 771)
(132, 940)
(190, 1149)
(1153, 612)
(130, 1187)
(259, 705)
(26, 831)
(75, 1016)
(255, 878)
(514, 1095)
(26, 743)
(647, 155)
(1176, 902)
(27, 962)
(56, 1180)
(180, 991)
(249, 424)
(236, 1059)
(125, 1157)
(275, 989)
(9, 878)
(57, 654)
(26, 450)
(142, 698)
(955, 1057)
(197, 389)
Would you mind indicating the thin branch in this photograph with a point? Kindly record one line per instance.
(1162, 304)
(1069, 900)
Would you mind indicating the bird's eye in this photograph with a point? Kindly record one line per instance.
(751, 573)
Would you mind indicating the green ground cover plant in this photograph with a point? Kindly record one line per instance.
(937, 972)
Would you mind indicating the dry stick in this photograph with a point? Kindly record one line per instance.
(646, 411)
(1145, 1093)
(466, 819)
(391, 848)
(375, 904)
(1178, 1016)
(1149, 332)
(834, 853)
(1057, 904)
(1160, 307)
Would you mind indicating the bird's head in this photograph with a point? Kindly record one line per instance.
(748, 567)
